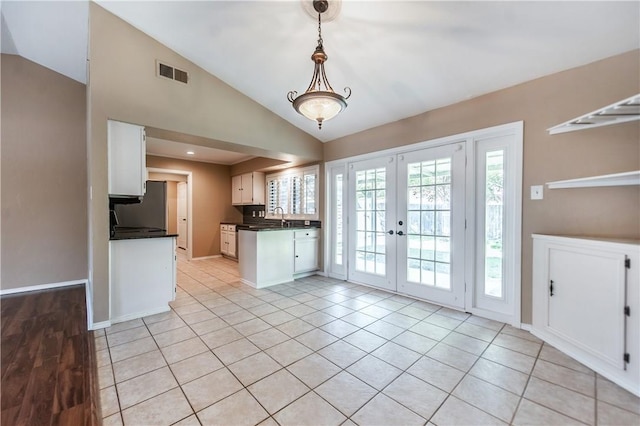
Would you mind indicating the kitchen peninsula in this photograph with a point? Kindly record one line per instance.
(276, 255)
(142, 263)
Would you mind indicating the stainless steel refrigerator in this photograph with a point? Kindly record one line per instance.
(151, 212)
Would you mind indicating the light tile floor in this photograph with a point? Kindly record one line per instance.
(321, 352)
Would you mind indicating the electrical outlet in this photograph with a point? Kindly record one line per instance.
(254, 213)
(307, 223)
(537, 192)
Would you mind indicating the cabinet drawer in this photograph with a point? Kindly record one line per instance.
(224, 227)
(231, 228)
(307, 233)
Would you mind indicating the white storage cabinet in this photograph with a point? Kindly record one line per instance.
(305, 244)
(142, 277)
(586, 302)
(228, 240)
(247, 189)
(127, 167)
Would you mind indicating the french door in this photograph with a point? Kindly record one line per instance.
(409, 223)
(440, 220)
(372, 251)
(431, 217)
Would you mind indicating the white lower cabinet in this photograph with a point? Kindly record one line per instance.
(228, 240)
(305, 245)
(265, 257)
(276, 256)
(142, 277)
(586, 302)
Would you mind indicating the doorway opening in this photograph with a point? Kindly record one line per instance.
(179, 206)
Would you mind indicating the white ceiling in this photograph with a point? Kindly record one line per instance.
(400, 58)
(165, 148)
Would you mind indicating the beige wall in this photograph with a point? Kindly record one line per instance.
(211, 200)
(123, 86)
(172, 207)
(44, 176)
(543, 103)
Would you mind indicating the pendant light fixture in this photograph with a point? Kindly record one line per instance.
(319, 102)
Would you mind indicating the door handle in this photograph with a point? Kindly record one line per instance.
(551, 288)
(390, 232)
(400, 233)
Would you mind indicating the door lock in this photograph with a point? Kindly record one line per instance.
(400, 233)
(390, 232)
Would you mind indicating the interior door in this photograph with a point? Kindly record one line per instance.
(372, 254)
(431, 224)
(182, 215)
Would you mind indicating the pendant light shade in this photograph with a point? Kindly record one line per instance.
(319, 102)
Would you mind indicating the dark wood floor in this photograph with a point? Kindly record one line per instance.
(47, 359)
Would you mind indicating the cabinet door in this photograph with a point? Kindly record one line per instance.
(223, 239)
(586, 302)
(231, 244)
(258, 188)
(247, 188)
(126, 159)
(236, 190)
(306, 254)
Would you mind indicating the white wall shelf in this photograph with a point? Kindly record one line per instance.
(619, 112)
(616, 179)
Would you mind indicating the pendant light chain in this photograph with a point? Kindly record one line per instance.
(319, 30)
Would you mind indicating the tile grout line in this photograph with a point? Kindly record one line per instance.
(238, 294)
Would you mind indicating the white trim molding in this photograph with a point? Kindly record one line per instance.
(189, 175)
(100, 325)
(206, 257)
(42, 287)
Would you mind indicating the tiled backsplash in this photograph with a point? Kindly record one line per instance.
(249, 218)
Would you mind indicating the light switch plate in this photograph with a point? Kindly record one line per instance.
(537, 192)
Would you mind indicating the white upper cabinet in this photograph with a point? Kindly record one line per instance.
(247, 189)
(126, 156)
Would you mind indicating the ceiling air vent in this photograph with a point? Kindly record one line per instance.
(172, 73)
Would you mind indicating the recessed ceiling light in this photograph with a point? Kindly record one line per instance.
(190, 153)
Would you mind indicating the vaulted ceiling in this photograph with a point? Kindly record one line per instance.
(400, 58)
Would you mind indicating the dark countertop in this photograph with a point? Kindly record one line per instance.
(138, 233)
(272, 228)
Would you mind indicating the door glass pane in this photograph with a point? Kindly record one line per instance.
(339, 224)
(493, 227)
(371, 203)
(429, 223)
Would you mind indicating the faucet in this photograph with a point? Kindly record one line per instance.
(282, 221)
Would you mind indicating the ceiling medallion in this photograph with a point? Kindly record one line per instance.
(319, 102)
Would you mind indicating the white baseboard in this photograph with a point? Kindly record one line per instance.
(88, 294)
(99, 325)
(525, 327)
(249, 283)
(206, 257)
(136, 315)
(41, 287)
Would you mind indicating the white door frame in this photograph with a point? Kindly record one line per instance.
(189, 176)
(516, 129)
